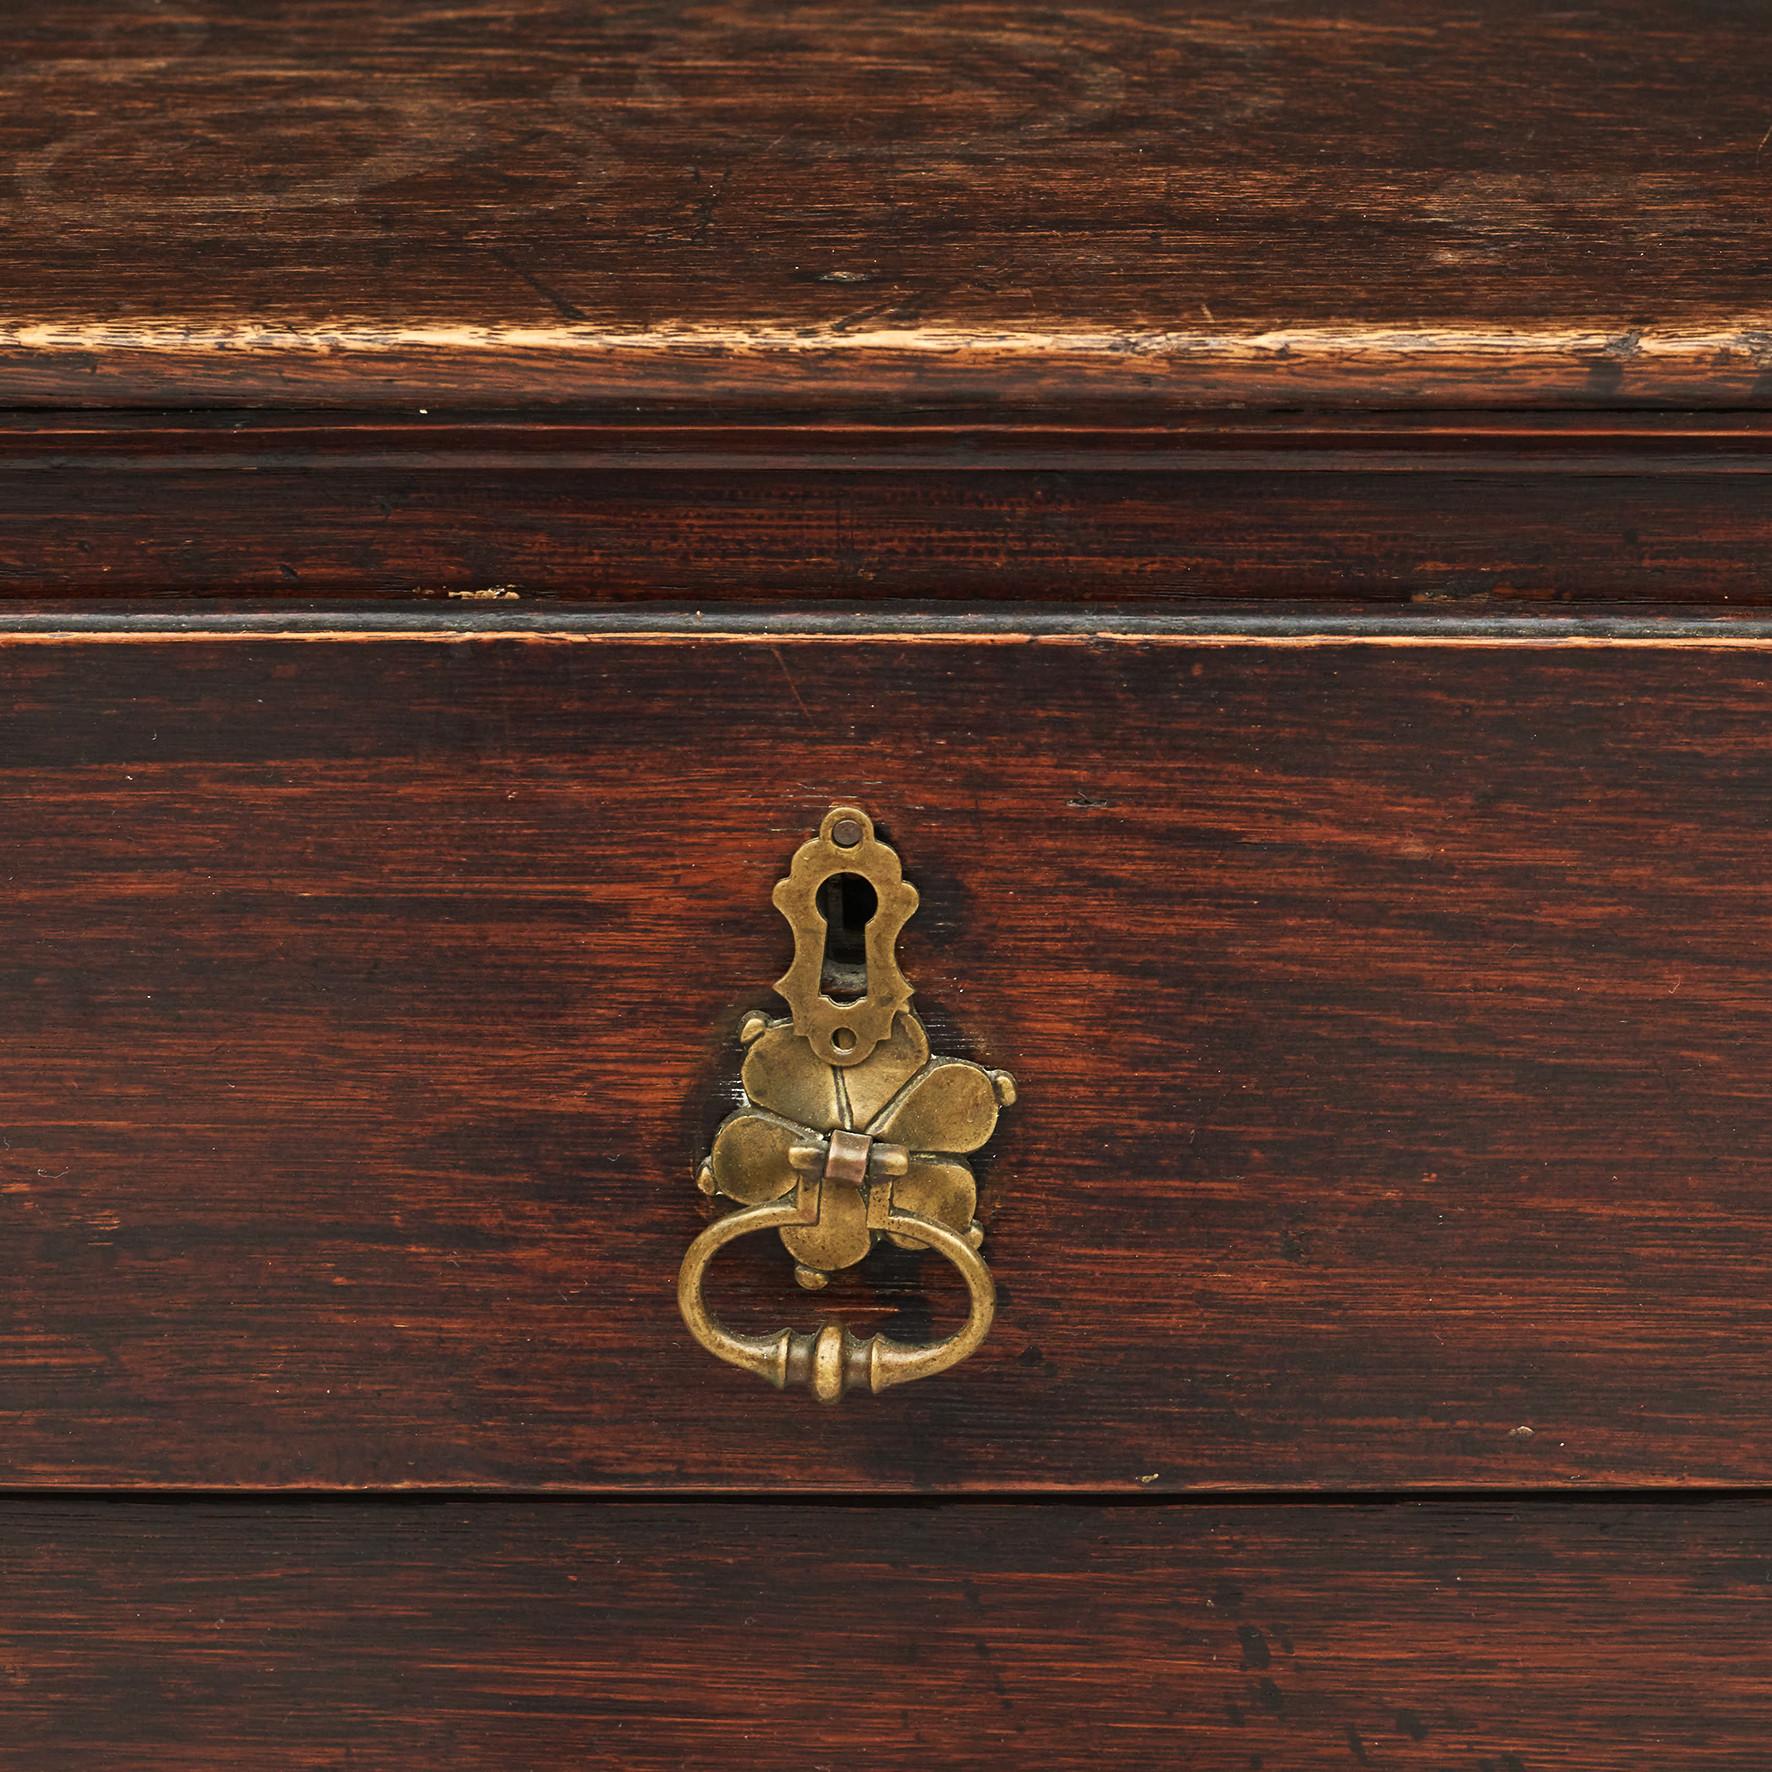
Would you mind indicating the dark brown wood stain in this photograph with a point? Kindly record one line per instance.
(1425, 1639)
(1390, 1021)
(1616, 508)
(1385, 972)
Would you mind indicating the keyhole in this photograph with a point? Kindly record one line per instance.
(847, 903)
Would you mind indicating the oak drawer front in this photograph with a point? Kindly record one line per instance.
(1426, 1637)
(1391, 1021)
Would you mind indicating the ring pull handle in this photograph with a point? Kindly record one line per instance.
(832, 1360)
(850, 1130)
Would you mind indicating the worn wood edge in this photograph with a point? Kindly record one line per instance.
(136, 361)
(1009, 625)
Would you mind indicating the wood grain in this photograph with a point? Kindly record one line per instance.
(737, 205)
(1419, 509)
(1391, 1020)
(1424, 1639)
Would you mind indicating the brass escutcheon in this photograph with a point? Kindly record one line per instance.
(851, 1130)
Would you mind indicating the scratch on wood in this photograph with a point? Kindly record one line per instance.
(793, 687)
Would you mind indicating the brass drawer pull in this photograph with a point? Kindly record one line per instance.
(850, 1129)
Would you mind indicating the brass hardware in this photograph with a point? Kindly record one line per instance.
(845, 1033)
(850, 1131)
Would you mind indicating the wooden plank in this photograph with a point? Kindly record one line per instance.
(739, 206)
(1392, 1024)
(1420, 1638)
(1430, 511)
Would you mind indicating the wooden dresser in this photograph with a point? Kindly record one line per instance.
(1059, 716)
